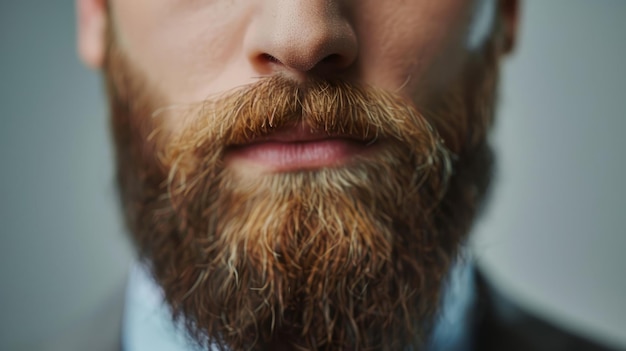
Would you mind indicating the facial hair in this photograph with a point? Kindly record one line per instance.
(346, 257)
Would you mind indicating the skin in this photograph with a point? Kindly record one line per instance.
(190, 50)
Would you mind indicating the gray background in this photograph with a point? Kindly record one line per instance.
(553, 237)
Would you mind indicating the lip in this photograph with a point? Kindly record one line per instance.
(297, 148)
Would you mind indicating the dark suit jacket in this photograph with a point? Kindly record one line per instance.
(501, 325)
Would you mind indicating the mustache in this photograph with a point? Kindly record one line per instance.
(331, 107)
(336, 108)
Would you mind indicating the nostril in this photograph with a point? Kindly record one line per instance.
(270, 58)
(331, 64)
(331, 59)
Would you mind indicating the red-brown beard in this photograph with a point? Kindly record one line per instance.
(348, 257)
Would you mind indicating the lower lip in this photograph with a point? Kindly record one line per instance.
(294, 156)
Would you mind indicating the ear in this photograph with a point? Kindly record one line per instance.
(510, 13)
(91, 40)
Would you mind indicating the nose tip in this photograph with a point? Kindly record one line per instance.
(318, 47)
(309, 37)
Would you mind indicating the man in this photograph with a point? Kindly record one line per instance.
(303, 175)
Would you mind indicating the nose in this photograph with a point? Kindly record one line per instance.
(302, 37)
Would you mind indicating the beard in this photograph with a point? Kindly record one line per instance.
(345, 257)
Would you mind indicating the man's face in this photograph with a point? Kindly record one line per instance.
(300, 173)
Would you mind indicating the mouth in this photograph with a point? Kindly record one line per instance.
(297, 148)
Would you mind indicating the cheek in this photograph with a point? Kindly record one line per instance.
(417, 49)
(179, 47)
